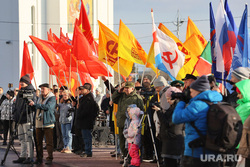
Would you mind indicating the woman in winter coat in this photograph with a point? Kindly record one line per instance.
(171, 135)
(7, 114)
(65, 121)
(196, 111)
(243, 88)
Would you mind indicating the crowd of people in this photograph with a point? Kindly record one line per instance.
(155, 120)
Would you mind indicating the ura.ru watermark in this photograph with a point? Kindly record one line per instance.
(220, 158)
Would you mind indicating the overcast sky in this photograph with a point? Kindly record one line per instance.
(136, 15)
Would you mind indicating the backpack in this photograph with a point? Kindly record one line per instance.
(224, 129)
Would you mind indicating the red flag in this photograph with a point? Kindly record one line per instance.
(83, 51)
(81, 48)
(84, 24)
(50, 36)
(64, 38)
(49, 54)
(59, 45)
(85, 78)
(27, 67)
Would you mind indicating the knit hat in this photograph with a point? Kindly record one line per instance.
(172, 89)
(25, 79)
(148, 77)
(11, 93)
(241, 73)
(201, 84)
(160, 81)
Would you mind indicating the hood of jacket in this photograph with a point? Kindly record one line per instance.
(209, 95)
(244, 87)
(135, 112)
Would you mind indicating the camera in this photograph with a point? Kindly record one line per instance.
(184, 96)
(146, 92)
(26, 94)
(70, 111)
(10, 85)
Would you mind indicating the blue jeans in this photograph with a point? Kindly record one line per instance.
(87, 139)
(67, 136)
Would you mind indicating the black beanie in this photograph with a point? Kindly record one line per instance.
(11, 93)
(201, 84)
(25, 79)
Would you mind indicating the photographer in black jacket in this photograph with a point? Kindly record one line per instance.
(24, 119)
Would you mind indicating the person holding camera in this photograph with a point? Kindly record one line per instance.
(161, 85)
(7, 114)
(196, 112)
(45, 119)
(170, 134)
(65, 121)
(23, 117)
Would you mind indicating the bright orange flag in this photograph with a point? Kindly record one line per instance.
(108, 51)
(130, 49)
(194, 45)
(192, 29)
(27, 67)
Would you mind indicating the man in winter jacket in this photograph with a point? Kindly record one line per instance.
(125, 97)
(195, 111)
(24, 119)
(45, 119)
(85, 117)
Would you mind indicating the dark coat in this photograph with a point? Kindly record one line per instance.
(20, 102)
(171, 134)
(86, 112)
(2, 99)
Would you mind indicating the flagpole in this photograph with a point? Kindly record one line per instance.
(49, 77)
(111, 101)
(108, 78)
(77, 82)
(70, 72)
(223, 88)
(119, 76)
(35, 80)
(143, 72)
(58, 82)
(66, 80)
